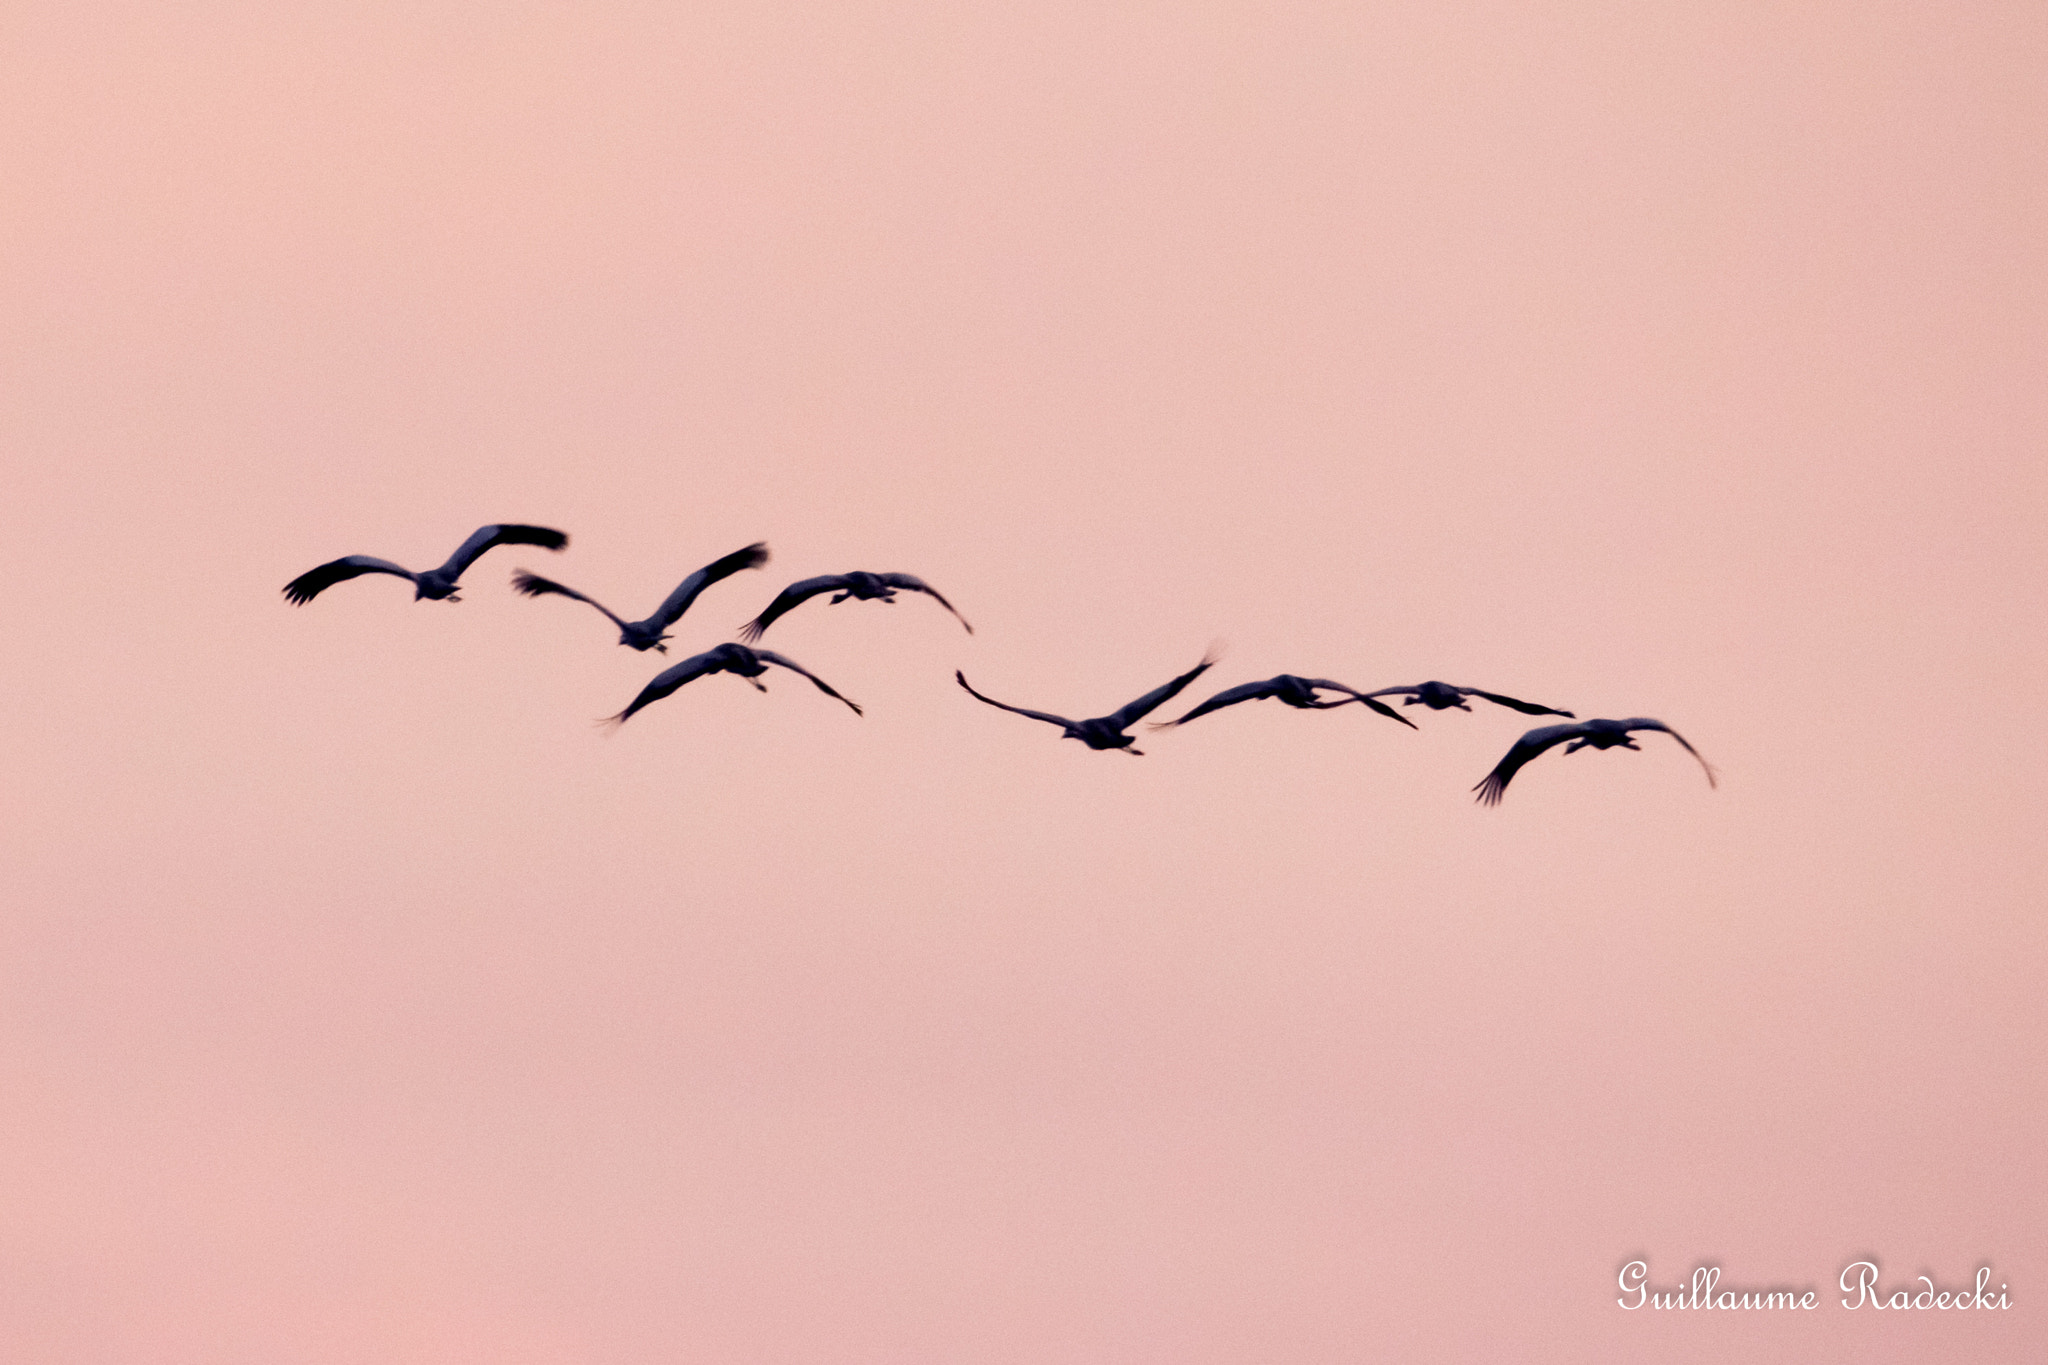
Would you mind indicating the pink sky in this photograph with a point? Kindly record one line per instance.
(360, 1003)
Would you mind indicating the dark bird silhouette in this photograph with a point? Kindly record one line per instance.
(436, 584)
(868, 587)
(1105, 732)
(727, 658)
(1439, 696)
(649, 634)
(1294, 691)
(1587, 734)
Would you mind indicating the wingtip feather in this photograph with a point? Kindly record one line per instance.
(533, 585)
(1381, 708)
(310, 585)
(547, 537)
(752, 557)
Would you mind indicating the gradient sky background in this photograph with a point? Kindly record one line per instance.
(360, 1002)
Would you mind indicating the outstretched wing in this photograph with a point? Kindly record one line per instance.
(1645, 723)
(793, 666)
(1132, 712)
(1527, 708)
(508, 533)
(1362, 698)
(678, 602)
(313, 582)
(1409, 691)
(913, 583)
(1045, 716)
(788, 598)
(1527, 747)
(533, 585)
(667, 681)
(1229, 696)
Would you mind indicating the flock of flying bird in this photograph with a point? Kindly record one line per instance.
(1099, 732)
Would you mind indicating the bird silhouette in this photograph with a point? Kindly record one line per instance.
(434, 584)
(1586, 734)
(649, 634)
(1440, 696)
(1293, 690)
(1105, 732)
(727, 658)
(867, 587)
